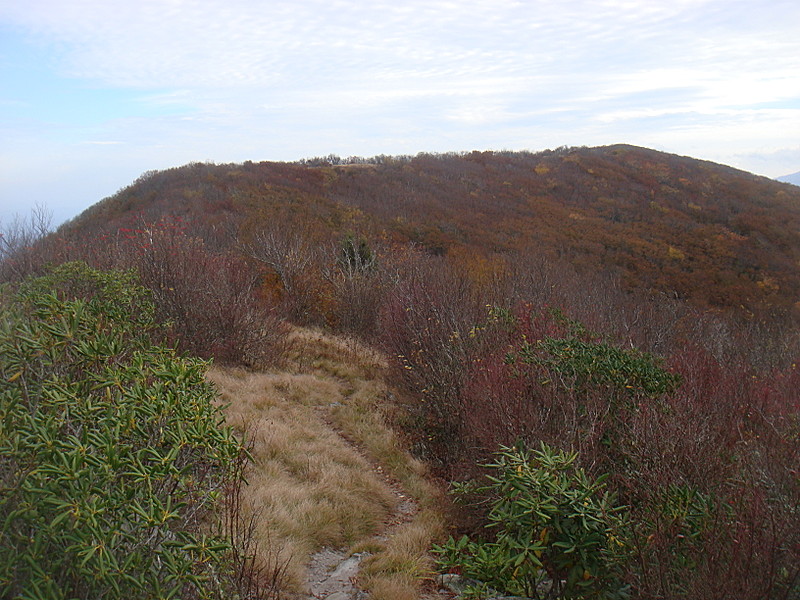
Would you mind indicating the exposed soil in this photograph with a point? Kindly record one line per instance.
(332, 575)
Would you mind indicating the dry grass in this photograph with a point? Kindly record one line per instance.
(308, 486)
(396, 586)
(344, 358)
(397, 569)
(322, 453)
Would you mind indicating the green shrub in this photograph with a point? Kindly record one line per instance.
(556, 531)
(587, 365)
(112, 453)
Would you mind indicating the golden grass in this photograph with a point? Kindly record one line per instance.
(345, 358)
(398, 570)
(321, 455)
(396, 586)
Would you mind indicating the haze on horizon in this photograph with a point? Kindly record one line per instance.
(95, 92)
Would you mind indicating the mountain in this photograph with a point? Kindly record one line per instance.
(792, 178)
(717, 236)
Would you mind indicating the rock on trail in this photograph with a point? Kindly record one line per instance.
(332, 576)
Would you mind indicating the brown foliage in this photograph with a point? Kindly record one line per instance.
(704, 232)
(211, 299)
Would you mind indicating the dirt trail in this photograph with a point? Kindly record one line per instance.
(337, 499)
(333, 573)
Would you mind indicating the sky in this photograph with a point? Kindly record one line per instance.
(95, 92)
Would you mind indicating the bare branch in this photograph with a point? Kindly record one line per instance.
(18, 239)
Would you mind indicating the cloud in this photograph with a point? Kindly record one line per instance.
(435, 48)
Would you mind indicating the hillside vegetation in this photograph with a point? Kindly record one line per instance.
(113, 454)
(609, 334)
(720, 237)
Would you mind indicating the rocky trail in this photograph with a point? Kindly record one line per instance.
(333, 574)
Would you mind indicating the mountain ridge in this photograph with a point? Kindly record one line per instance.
(718, 236)
(793, 178)
(631, 313)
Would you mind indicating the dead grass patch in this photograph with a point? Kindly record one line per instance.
(396, 586)
(306, 485)
(398, 569)
(310, 486)
(342, 357)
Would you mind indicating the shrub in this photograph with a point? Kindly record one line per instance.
(540, 376)
(556, 530)
(113, 453)
(211, 298)
(430, 327)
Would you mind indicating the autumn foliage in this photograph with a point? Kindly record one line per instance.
(702, 452)
(631, 308)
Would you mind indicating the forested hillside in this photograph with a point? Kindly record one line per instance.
(610, 333)
(693, 229)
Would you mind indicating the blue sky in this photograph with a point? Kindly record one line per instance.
(95, 92)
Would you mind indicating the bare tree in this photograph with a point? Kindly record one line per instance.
(294, 256)
(287, 253)
(19, 255)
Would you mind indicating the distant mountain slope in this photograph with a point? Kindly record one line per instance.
(792, 178)
(716, 235)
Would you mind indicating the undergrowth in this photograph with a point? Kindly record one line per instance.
(114, 457)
